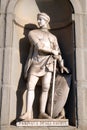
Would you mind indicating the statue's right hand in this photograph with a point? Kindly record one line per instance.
(55, 52)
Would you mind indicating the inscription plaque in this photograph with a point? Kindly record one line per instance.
(43, 122)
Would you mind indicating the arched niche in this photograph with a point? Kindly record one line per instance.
(20, 44)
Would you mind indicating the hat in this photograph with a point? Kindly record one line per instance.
(43, 15)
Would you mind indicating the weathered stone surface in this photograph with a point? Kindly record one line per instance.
(13, 104)
(85, 30)
(23, 16)
(82, 102)
(7, 66)
(5, 109)
(85, 63)
(9, 30)
(84, 5)
(16, 67)
(2, 30)
(79, 64)
(1, 64)
(79, 31)
(82, 125)
(3, 5)
(1, 73)
(37, 128)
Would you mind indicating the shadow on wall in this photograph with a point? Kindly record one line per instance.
(24, 48)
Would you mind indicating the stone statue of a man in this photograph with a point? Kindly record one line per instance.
(44, 49)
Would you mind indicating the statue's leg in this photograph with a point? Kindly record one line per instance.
(44, 96)
(32, 81)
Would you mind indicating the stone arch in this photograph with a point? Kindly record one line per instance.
(77, 8)
(76, 5)
(11, 6)
(78, 20)
(77, 17)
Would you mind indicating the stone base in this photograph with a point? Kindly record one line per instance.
(44, 122)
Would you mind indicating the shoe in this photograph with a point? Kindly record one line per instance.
(44, 116)
(26, 117)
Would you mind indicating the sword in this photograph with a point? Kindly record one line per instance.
(53, 86)
(63, 68)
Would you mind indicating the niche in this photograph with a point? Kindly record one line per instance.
(62, 26)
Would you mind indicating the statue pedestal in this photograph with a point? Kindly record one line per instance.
(44, 122)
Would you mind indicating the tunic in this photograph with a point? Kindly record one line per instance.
(42, 59)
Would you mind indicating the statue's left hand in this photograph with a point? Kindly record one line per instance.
(55, 53)
(63, 68)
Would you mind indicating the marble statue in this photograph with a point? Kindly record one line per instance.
(44, 50)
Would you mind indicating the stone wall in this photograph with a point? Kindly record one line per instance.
(81, 50)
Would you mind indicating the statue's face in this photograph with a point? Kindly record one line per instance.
(42, 22)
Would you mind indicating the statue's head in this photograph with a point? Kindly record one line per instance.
(43, 19)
